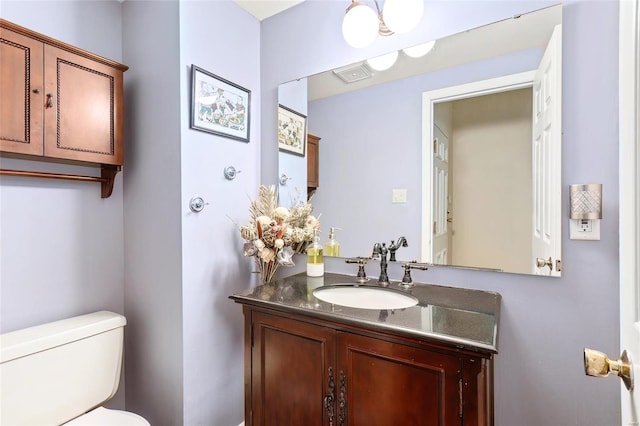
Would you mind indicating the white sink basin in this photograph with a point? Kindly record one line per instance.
(365, 297)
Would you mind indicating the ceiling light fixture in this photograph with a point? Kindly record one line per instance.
(401, 16)
(419, 50)
(383, 62)
(361, 23)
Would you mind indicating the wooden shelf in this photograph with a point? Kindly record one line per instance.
(107, 178)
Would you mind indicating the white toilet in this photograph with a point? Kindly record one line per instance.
(60, 372)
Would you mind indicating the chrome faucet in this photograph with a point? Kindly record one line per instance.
(381, 250)
(402, 242)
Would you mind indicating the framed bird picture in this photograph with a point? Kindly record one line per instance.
(219, 106)
(292, 131)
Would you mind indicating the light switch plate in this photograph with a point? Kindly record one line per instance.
(584, 229)
(399, 196)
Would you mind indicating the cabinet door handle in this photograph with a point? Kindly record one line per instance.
(328, 400)
(342, 416)
(49, 101)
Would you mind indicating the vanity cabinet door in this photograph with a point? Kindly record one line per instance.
(21, 93)
(304, 371)
(384, 383)
(291, 364)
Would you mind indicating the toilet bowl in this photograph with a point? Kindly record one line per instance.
(59, 372)
(107, 417)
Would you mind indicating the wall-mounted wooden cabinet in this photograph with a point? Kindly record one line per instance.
(58, 101)
(313, 175)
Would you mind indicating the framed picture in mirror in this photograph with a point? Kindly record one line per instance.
(292, 131)
(219, 106)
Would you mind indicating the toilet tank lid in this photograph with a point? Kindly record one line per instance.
(19, 343)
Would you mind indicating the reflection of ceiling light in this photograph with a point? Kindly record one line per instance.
(419, 50)
(384, 62)
(361, 22)
(360, 25)
(401, 16)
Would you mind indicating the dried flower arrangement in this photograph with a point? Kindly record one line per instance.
(274, 233)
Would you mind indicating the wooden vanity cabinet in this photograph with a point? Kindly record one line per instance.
(58, 101)
(288, 379)
(306, 371)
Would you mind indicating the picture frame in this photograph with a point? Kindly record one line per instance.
(292, 131)
(219, 106)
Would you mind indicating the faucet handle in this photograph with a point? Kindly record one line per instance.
(376, 250)
(361, 261)
(393, 247)
(414, 264)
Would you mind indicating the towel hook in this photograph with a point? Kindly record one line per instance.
(197, 204)
(230, 172)
(284, 179)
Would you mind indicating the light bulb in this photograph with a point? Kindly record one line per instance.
(360, 25)
(420, 49)
(383, 62)
(402, 16)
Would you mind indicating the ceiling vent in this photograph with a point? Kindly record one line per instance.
(353, 73)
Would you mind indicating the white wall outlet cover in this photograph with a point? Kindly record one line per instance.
(399, 196)
(584, 229)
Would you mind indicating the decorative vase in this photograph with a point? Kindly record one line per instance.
(267, 270)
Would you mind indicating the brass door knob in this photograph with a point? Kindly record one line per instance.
(541, 263)
(597, 364)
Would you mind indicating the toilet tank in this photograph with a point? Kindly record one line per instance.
(52, 373)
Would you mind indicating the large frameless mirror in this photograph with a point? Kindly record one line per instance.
(457, 150)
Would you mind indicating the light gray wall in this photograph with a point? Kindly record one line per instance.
(60, 243)
(490, 165)
(223, 39)
(153, 244)
(184, 365)
(545, 323)
(63, 247)
(372, 143)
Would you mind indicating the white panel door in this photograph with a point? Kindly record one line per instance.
(627, 366)
(546, 160)
(629, 94)
(441, 205)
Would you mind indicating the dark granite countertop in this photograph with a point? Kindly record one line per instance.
(462, 317)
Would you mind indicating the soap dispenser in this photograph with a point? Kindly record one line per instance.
(332, 247)
(315, 261)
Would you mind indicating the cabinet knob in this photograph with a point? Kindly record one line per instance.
(36, 91)
(49, 101)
